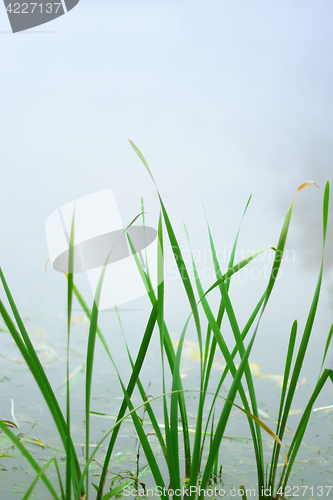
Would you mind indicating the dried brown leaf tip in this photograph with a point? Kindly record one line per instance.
(305, 184)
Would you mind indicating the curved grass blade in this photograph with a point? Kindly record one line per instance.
(297, 440)
(40, 474)
(131, 385)
(328, 343)
(143, 394)
(170, 354)
(308, 327)
(290, 352)
(233, 354)
(91, 345)
(171, 432)
(174, 407)
(178, 255)
(29, 354)
(127, 403)
(30, 459)
(231, 366)
(69, 313)
(237, 267)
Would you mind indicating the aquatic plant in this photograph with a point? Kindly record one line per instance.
(198, 470)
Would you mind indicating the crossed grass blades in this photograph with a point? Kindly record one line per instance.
(198, 471)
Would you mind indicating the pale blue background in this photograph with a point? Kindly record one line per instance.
(224, 99)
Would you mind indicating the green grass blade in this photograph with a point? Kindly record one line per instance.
(308, 327)
(69, 313)
(171, 431)
(218, 274)
(117, 490)
(290, 352)
(29, 457)
(219, 431)
(143, 394)
(296, 442)
(40, 474)
(328, 343)
(230, 364)
(132, 382)
(175, 483)
(281, 243)
(233, 354)
(28, 352)
(184, 277)
(91, 345)
(178, 255)
(170, 354)
(237, 267)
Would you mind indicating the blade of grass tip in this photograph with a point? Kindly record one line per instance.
(144, 276)
(36, 369)
(233, 251)
(242, 488)
(168, 346)
(177, 253)
(290, 352)
(237, 267)
(117, 490)
(91, 344)
(224, 287)
(184, 277)
(39, 475)
(142, 159)
(310, 320)
(328, 343)
(272, 279)
(218, 274)
(143, 393)
(282, 242)
(297, 439)
(29, 458)
(144, 228)
(69, 313)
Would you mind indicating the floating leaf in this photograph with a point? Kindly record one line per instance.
(295, 412)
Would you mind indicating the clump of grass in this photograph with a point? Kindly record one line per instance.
(197, 469)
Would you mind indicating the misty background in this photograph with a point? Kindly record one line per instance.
(224, 100)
